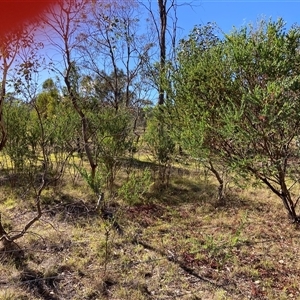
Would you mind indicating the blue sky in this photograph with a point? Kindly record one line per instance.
(227, 14)
(235, 13)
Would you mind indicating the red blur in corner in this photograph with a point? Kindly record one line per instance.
(14, 13)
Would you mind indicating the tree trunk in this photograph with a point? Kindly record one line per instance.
(289, 204)
(221, 197)
(2, 97)
(283, 193)
(162, 45)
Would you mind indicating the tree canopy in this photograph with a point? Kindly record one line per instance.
(238, 99)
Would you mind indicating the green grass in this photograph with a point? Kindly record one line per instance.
(177, 244)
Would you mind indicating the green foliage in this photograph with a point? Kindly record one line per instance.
(261, 117)
(197, 90)
(200, 39)
(46, 104)
(111, 139)
(48, 100)
(135, 187)
(239, 99)
(160, 142)
(95, 183)
(62, 133)
(55, 133)
(111, 89)
(36, 126)
(65, 128)
(17, 116)
(158, 137)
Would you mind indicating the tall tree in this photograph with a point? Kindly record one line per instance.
(114, 44)
(62, 28)
(163, 14)
(164, 22)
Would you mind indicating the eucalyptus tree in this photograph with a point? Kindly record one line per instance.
(162, 25)
(48, 99)
(242, 102)
(101, 57)
(62, 27)
(11, 63)
(115, 48)
(98, 91)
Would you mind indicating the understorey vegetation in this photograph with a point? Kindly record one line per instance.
(145, 170)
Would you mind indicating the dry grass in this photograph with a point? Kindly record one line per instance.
(177, 244)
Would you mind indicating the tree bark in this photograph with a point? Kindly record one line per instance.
(162, 46)
(220, 180)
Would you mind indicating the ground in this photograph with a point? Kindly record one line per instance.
(177, 243)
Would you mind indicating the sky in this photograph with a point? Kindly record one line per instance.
(226, 14)
(235, 13)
